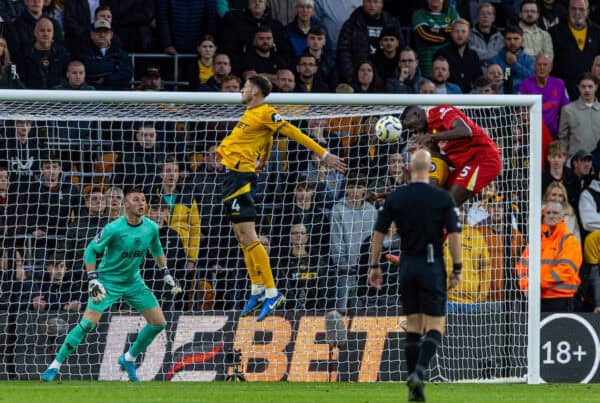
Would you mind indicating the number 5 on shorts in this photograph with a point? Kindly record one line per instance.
(465, 171)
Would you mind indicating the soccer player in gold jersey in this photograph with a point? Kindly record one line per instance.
(244, 152)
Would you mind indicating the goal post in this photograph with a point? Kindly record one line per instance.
(317, 341)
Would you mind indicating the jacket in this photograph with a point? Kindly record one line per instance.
(77, 23)
(182, 23)
(465, 69)
(32, 72)
(297, 38)
(115, 67)
(561, 258)
(588, 209)
(412, 86)
(486, 50)
(520, 70)
(579, 126)
(132, 20)
(353, 42)
(19, 35)
(537, 40)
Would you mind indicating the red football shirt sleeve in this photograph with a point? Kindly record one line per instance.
(442, 117)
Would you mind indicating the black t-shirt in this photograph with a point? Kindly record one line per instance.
(420, 211)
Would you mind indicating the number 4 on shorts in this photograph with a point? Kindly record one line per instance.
(235, 206)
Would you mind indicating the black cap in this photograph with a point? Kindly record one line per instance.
(581, 155)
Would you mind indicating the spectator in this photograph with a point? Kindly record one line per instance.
(283, 11)
(59, 288)
(366, 79)
(579, 127)
(576, 43)
(552, 11)
(535, 39)
(12, 217)
(9, 79)
(561, 258)
(286, 81)
(427, 87)
(552, 89)
(221, 68)
(204, 67)
(387, 56)
(238, 28)
(75, 78)
(596, 71)
(352, 220)
(495, 74)
(308, 81)
(22, 152)
(332, 14)
(327, 71)
(261, 58)
(516, 64)
(44, 63)
(485, 39)
(298, 29)
(79, 15)
(329, 183)
(231, 83)
(90, 220)
(302, 272)
(557, 171)
(396, 176)
(113, 199)
(108, 67)
(207, 183)
(19, 34)
(556, 191)
(432, 28)
(134, 22)
(54, 12)
(464, 63)
(483, 86)
(407, 77)
(440, 74)
(151, 80)
(581, 176)
(359, 36)
(182, 23)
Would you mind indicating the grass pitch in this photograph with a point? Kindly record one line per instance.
(158, 392)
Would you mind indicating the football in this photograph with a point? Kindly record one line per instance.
(388, 129)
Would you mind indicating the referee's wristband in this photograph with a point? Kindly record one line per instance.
(165, 271)
(92, 275)
(456, 268)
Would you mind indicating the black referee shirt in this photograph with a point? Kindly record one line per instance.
(420, 212)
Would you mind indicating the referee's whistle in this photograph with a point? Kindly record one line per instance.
(430, 257)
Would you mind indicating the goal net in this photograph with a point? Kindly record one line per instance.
(66, 159)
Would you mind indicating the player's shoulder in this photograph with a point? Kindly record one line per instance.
(150, 223)
(266, 113)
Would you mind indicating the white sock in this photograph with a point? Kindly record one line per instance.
(257, 289)
(55, 364)
(271, 292)
(129, 357)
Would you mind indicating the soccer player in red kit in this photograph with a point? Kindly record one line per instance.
(471, 151)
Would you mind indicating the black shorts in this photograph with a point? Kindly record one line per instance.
(238, 196)
(423, 285)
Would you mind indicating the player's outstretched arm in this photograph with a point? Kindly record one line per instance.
(174, 287)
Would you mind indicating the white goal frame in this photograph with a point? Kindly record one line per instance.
(534, 102)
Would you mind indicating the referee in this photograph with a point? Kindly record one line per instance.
(420, 211)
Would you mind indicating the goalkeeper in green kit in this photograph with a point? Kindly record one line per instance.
(124, 243)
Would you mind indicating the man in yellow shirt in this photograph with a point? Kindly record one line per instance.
(244, 152)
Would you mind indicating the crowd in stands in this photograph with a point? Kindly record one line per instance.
(317, 223)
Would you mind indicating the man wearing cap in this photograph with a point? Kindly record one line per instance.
(387, 56)
(151, 80)
(581, 168)
(108, 67)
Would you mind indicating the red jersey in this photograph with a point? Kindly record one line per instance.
(459, 152)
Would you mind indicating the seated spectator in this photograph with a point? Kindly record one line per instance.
(22, 151)
(9, 79)
(515, 63)
(231, 83)
(427, 87)
(395, 176)
(19, 34)
(44, 63)
(556, 191)
(366, 80)
(329, 183)
(440, 74)
(298, 29)
(556, 170)
(113, 200)
(237, 30)
(59, 288)
(581, 175)
(134, 23)
(552, 11)
(261, 57)
(485, 39)
(286, 81)
(432, 28)
(151, 80)
(579, 127)
(316, 41)
(203, 68)
(464, 63)
(75, 78)
(552, 89)
(221, 68)
(308, 81)
(561, 258)
(535, 39)
(387, 56)
(483, 86)
(182, 23)
(407, 77)
(495, 74)
(108, 67)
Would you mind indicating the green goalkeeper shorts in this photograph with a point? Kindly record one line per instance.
(137, 295)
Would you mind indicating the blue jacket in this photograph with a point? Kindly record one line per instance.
(297, 38)
(452, 88)
(522, 69)
(115, 67)
(182, 23)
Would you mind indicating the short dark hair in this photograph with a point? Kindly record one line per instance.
(587, 76)
(207, 37)
(316, 30)
(513, 29)
(305, 182)
(4, 166)
(156, 202)
(306, 54)
(440, 58)
(529, 2)
(56, 258)
(262, 84)
(171, 159)
(357, 179)
(101, 8)
(132, 189)
(143, 125)
(51, 157)
(263, 28)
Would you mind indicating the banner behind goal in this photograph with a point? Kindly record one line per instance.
(66, 157)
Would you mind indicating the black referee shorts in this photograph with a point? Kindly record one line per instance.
(423, 285)
(238, 196)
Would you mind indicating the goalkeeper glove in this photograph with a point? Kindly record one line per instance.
(173, 284)
(96, 290)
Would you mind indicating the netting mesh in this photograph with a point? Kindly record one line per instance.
(65, 168)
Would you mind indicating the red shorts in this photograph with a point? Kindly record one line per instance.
(478, 172)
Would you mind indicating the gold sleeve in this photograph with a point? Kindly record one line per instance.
(292, 132)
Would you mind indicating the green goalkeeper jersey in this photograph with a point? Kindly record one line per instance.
(124, 247)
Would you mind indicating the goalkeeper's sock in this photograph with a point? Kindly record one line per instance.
(429, 345)
(74, 338)
(145, 337)
(56, 365)
(255, 278)
(411, 350)
(129, 357)
(259, 256)
(256, 289)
